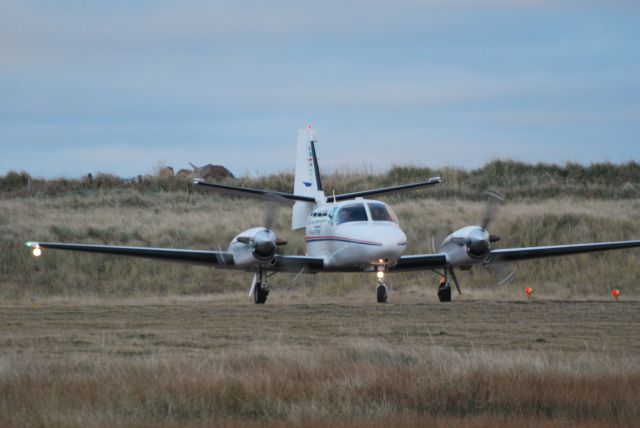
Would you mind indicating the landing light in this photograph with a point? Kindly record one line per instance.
(380, 274)
(36, 251)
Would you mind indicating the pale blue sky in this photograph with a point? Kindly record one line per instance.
(121, 86)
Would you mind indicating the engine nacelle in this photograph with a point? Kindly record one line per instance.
(468, 246)
(255, 246)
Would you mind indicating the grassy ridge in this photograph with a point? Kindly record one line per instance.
(517, 179)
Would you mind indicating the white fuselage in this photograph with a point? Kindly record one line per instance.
(356, 232)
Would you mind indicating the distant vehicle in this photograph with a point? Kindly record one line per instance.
(344, 233)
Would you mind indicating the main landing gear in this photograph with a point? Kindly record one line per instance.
(444, 287)
(381, 288)
(444, 290)
(260, 288)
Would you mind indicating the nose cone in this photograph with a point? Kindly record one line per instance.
(393, 241)
(264, 244)
(478, 243)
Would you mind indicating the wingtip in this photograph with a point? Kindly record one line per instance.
(31, 244)
(198, 180)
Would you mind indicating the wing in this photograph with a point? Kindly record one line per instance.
(419, 262)
(200, 257)
(269, 195)
(220, 259)
(297, 264)
(514, 254)
(435, 261)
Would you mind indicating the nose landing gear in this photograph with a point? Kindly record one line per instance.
(381, 292)
(381, 289)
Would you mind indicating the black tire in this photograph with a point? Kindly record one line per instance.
(260, 294)
(381, 294)
(444, 294)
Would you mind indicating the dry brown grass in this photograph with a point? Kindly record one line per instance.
(193, 364)
(207, 221)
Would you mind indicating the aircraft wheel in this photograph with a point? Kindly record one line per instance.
(260, 294)
(444, 293)
(381, 293)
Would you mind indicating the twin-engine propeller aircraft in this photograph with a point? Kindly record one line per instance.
(344, 233)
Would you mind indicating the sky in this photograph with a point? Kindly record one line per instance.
(127, 86)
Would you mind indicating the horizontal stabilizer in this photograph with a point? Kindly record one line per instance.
(384, 190)
(268, 195)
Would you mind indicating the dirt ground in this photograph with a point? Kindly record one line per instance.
(190, 327)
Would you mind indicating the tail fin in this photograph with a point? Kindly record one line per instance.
(307, 178)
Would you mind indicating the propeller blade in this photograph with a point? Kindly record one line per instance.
(253, 285)
(272, 213)
(299, 275)
(507, 279)
(221, 260)
(437, 236)
(495, 199)
(503, 272)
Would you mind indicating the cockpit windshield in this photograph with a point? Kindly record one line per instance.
(351, 212)
(381, 212)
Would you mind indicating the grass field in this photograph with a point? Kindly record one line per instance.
(221, 361)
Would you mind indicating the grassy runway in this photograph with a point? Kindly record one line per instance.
(215, 361)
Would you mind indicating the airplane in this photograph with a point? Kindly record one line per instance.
(344, 233)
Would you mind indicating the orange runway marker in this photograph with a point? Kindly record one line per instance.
(615, 293)
(528, 291)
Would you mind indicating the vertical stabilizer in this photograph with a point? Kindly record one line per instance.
(308, 181)
(307, 177)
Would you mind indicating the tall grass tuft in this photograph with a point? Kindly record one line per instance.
(365, 382)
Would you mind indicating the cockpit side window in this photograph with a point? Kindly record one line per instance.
(353, 212)
(380, 212)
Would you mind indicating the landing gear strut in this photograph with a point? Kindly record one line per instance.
(260, 288)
